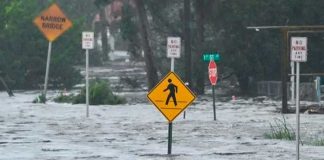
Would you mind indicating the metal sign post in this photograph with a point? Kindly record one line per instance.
(297, 111)
(292, 81)
(214, 106)
(87, 81)
(87, 43)
(170, 123)
(298, 54)
(47, 67)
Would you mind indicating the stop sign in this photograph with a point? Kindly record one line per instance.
(212, 70)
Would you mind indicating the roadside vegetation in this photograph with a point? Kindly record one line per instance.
(99, 94)
(318, 142)
(280, 129)
(40, 99)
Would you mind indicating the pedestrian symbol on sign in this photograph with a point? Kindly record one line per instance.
(173, 90)
(171, 96)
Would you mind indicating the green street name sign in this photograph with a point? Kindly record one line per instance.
(211, 56)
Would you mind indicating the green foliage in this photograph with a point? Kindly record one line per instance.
(99, 93)
(64, 98)
(318, 142)
(40, 99)
(128, 24)
(280, 130)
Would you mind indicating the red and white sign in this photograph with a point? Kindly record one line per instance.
(173, 47)
(212, 71)
(298, 49)
(87, 40)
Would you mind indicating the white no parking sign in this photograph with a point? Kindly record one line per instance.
(298, 49)
(87, 40)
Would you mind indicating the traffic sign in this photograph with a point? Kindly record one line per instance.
(87, 40)
(173, 47)
(212, 70)
(298, 49)
(52, 22)
(211, 56)
(171, 96)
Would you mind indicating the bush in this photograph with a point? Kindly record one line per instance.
(64, 98)
(280, 130)
(40, 99)
(317, 142)
(99, 93)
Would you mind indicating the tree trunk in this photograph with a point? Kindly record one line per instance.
(148, 55)
(200, 70)
(244, 83)
(187, 42)
(103, 30)
(9, 91)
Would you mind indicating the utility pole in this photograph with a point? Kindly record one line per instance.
(284, 71)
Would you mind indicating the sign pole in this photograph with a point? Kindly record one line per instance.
(172, 64)
(184, 112)
(292, 80)
(170, 123)
(170, 139)
(297, 110)
(214, 106)
(87, 81)
(47, 67)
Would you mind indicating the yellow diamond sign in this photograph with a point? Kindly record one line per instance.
(52, 22)
(171, 96)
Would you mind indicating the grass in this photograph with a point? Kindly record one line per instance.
(280, 130)
(64, 98)
(319, 142)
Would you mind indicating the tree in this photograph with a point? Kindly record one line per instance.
(200, 47)
(187, 41)
(102, 26)
(24, 48)
(148, 55)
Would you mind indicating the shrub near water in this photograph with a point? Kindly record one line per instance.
(40, 99)
(99, 93)
(280, 130)
(62, 98)
(316, 142)
(319, 142)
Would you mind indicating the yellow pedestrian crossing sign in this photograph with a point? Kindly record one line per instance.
(171, 96)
